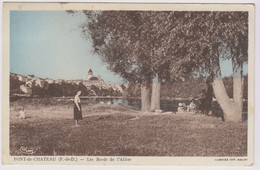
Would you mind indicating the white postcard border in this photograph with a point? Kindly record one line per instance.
(60, 160)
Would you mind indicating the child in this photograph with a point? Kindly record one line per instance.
(21, 114)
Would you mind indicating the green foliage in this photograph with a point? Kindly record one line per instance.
(133, 90)
(138, 45)
(172, 90)
(221, 36)
(182, 89)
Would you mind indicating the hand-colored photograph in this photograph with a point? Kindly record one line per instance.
(135, 83)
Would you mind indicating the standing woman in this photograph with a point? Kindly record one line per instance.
(77, 108)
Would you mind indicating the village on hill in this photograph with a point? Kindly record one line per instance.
(30, 85)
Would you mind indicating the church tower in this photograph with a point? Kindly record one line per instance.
(90, 74)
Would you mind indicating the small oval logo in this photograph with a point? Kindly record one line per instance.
(25, 150)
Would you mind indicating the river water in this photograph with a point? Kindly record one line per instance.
(166, 105)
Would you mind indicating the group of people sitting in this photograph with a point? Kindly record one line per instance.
(192, 107)
(204, 104)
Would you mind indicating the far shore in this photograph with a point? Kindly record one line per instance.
(119, 97)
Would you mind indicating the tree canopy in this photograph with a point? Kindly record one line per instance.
(140, 44)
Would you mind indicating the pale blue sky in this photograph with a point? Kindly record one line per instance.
(50, 44)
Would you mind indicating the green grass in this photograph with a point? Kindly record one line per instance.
(114, 130)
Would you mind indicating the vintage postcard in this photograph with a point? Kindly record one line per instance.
(128, 84)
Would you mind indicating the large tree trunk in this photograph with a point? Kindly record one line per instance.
(238, 86)
(232, 110)
(156, 94)
(145, 96)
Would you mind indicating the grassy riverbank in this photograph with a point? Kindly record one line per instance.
(114, 130)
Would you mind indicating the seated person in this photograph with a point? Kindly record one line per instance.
(192, 106)
(181, 107)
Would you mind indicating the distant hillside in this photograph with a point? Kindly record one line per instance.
(32, 86)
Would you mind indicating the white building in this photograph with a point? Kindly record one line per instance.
(91, 79)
